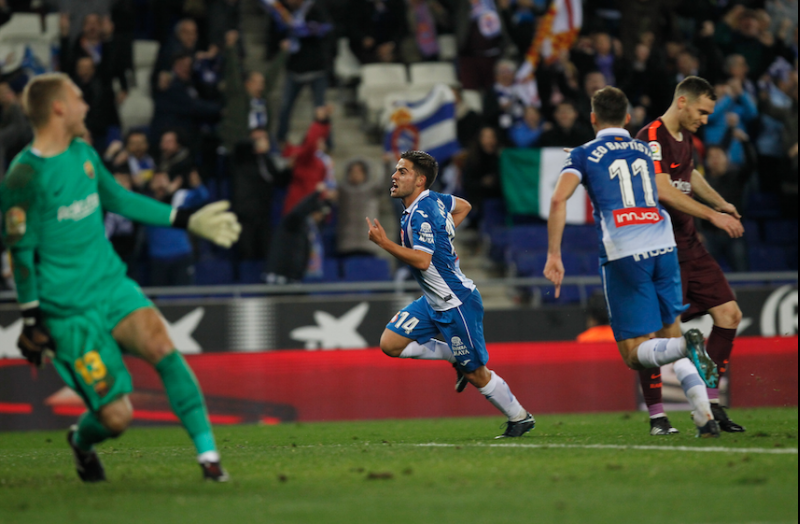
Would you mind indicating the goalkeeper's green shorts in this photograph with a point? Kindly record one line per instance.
(87, 356)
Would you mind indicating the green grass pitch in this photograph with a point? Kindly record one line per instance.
(599, 468)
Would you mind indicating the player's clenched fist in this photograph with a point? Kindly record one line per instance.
(35, 341)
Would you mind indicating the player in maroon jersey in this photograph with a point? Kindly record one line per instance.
(704, 285)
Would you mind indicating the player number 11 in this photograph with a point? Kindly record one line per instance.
(619, 168)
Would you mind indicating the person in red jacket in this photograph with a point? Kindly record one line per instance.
(310, 161)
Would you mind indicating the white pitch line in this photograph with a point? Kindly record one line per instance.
(716, 449)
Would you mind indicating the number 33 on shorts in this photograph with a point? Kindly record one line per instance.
(91, 368)
(401, 321)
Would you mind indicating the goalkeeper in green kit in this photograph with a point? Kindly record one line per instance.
(78, 306)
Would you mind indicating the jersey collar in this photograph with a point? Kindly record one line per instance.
(420, 197)
(615, 131)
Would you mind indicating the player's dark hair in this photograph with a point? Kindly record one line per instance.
(134, 132)
(693, 87)
(424, 164)
(610, 106)
(39, 95)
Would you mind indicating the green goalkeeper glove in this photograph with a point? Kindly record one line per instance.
(213, 222)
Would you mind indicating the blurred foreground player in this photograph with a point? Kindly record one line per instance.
(451, 304)
(78, 306)
(638, 262)
(705, 288)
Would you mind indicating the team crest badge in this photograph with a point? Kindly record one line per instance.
(15, 222)
(88, 168)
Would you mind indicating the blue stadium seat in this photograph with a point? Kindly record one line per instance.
(494, 214)
(768, 258)
(366, 269)
(331, 272)
(763, 205)
(791, 258)
(752, 231)
(780, 232)
(213, 272)
(591, 263)
(498, 242)
(583, 238)
(526, 239)
(250, 271)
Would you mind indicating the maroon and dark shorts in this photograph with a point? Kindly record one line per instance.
(704, 286)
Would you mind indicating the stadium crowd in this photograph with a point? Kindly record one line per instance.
(214, 135)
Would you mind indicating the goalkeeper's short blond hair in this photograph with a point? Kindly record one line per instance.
(39, 95)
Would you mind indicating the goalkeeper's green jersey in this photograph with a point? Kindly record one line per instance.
(52, 209)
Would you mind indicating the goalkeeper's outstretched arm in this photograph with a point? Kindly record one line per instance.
(213, 222)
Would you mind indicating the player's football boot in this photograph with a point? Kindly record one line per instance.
(725, 424)
(660, 426)
(696, 349)
(518, 428)
(710, 430)
(461, 380)
(87, 463)
(213, 471)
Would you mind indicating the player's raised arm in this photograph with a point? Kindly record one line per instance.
(460, 211)
(565, 188)
(673, 197)
(413, 257)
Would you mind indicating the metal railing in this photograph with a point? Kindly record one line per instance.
(255, 290)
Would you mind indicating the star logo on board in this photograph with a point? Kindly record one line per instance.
(333, 333)
(179, 331)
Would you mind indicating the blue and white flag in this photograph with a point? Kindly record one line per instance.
(428, 125)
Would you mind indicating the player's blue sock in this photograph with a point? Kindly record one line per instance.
(90, 432)
(430, 350)
(658, 352)
(186, 400)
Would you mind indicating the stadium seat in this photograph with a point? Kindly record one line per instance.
(144, 54)
(135, 111)
(213, 272)
(494, 213)
(768, 258)
(52, 30)
(583, 238)
(331, 272)
(526, 239)
(473, 100)
(250, 271)
(752, 232)
(497, 239)
(448, 47)
(780, 232)
(22, 25)
(763, 205)
(590, 263)
(142, 77)
(377, 81)
(346, 67)
(432, 73)
(366, 269)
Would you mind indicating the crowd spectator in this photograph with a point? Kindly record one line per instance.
(519, 18)
(311, 164)
(735, 108)
(300, 29)
(778, 97)
(359, 197)
(182, 42)
(481, 41)
(15, 130)
(468, 121)
(528, 132)
(223, 16)
(76, 12)
(481, 174)
(122, 232)
(646, 83)
(99, 96)
(245, 105)
(593, 81)
(255, 176)
(378, 28)
(788, 117)
(174, 158)
(568, 131)
(297, 249)
(503, 106)
(178, 104)
(132, 158)
(170, 251)
(425, 17)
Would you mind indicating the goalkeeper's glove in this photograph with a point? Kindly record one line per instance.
(35, 341)
(213, 222)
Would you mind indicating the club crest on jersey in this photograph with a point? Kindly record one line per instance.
(88, 168)
(15, 222)
(426, 233)
(634, 216)
(458, 347)
(655, 150)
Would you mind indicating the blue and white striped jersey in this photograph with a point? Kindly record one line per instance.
(619, 176)
(426, 225)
